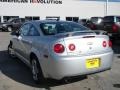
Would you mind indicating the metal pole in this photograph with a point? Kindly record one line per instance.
(107, 7)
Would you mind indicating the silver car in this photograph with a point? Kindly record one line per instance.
(58, 49)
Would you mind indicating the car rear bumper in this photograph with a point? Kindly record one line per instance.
(75, 66)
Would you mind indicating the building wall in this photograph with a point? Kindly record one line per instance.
(114, 8)
(72, 8)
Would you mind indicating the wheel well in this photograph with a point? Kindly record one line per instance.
(32, 55)
(10, 26)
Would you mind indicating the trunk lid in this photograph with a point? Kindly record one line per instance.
(87, 44)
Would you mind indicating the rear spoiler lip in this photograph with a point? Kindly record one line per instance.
(79, 33)
(88, 37)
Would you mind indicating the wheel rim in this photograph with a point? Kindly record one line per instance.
(34, 70)
(10, 51)
(9, 29)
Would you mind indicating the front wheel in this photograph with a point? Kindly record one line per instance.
(9, 28)
(11, 50)
(36, 71)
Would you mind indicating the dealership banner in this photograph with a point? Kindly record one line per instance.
(34, 1)
(101, 0)
(51, 1)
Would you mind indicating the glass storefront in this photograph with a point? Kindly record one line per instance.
(75, 19)
(6, 18)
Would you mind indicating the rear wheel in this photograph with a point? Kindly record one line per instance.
(36, 71)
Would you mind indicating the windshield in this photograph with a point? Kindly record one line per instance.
(52, 28)
(10, 20)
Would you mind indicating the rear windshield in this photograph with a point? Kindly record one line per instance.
(52, 28)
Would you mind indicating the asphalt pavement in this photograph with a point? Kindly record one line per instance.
(15, 75)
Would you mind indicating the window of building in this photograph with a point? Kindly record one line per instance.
(75, 19)
(6, 18)
(36, 18)
(52, 18)
(68, 18)
(28, 18)
(0, 19)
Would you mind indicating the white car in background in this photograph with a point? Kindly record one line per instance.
(58, 49)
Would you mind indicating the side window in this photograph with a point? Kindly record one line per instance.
(24, 30)
(33, 31)
(118, 19)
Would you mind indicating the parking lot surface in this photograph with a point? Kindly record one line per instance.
(15, 75)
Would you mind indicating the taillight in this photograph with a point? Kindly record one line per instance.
(115, 28)
(104, 43)
(71, 47)
(59, 48)
(110, 44)
(92, 26)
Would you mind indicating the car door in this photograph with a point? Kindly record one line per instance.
(19, 40)
(29, 40)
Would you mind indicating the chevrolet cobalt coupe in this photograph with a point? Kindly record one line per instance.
(59, 49)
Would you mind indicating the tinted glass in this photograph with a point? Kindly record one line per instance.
(117, 19)
(96, 19)
(24, 30)
(33, 31)
(109, 19)
(22, 20)
(16, 21)
(10, 20)
(52, 28)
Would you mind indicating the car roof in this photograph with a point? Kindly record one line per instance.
(96, 17)
(113, 16)
(46, 21)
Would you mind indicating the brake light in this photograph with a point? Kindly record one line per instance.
(104, 43)
(115, 28)
(71, 47)
(92, 26)
(59, 48)
(110, 44)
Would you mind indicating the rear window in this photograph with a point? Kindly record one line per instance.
(96, 19)
(52, 28)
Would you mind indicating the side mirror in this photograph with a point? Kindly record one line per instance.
(15, 33)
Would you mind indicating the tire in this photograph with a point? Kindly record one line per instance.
(1, 30)
(11, 50)
(36, 71)
(9, 28)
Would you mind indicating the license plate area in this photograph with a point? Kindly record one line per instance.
(93, 63)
